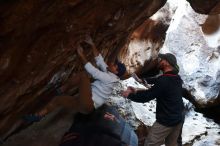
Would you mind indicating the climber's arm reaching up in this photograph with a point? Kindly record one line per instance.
(98, 57)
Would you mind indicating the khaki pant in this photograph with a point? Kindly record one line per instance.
(160, 134)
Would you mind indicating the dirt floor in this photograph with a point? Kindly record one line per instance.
(48, 131)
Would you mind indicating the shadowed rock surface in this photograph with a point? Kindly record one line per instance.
(205, 6)
(38, 41)
(49, 131)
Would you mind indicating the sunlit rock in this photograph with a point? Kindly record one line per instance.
(197, 56)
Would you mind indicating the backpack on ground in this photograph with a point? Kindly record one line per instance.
(103, 127)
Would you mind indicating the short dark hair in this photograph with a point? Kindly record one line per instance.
(121, 68)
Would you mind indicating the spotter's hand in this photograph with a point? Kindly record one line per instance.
(128, 91)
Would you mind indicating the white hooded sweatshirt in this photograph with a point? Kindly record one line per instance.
(104, 82)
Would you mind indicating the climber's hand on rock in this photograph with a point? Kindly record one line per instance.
(89, 40)
(80, 51)
(81, 54)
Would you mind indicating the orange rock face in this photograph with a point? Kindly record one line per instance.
(211, 25)
(38, 40)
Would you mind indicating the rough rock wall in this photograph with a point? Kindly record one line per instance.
(147, 40)
(38, 39)
(194, 39)
(205, 6)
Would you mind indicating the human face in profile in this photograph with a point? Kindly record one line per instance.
(112, 67)
(162, 64)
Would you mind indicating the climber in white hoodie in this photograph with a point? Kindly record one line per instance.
(91, 95)
(106, 76)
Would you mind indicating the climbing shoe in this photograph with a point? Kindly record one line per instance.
(32, 118)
